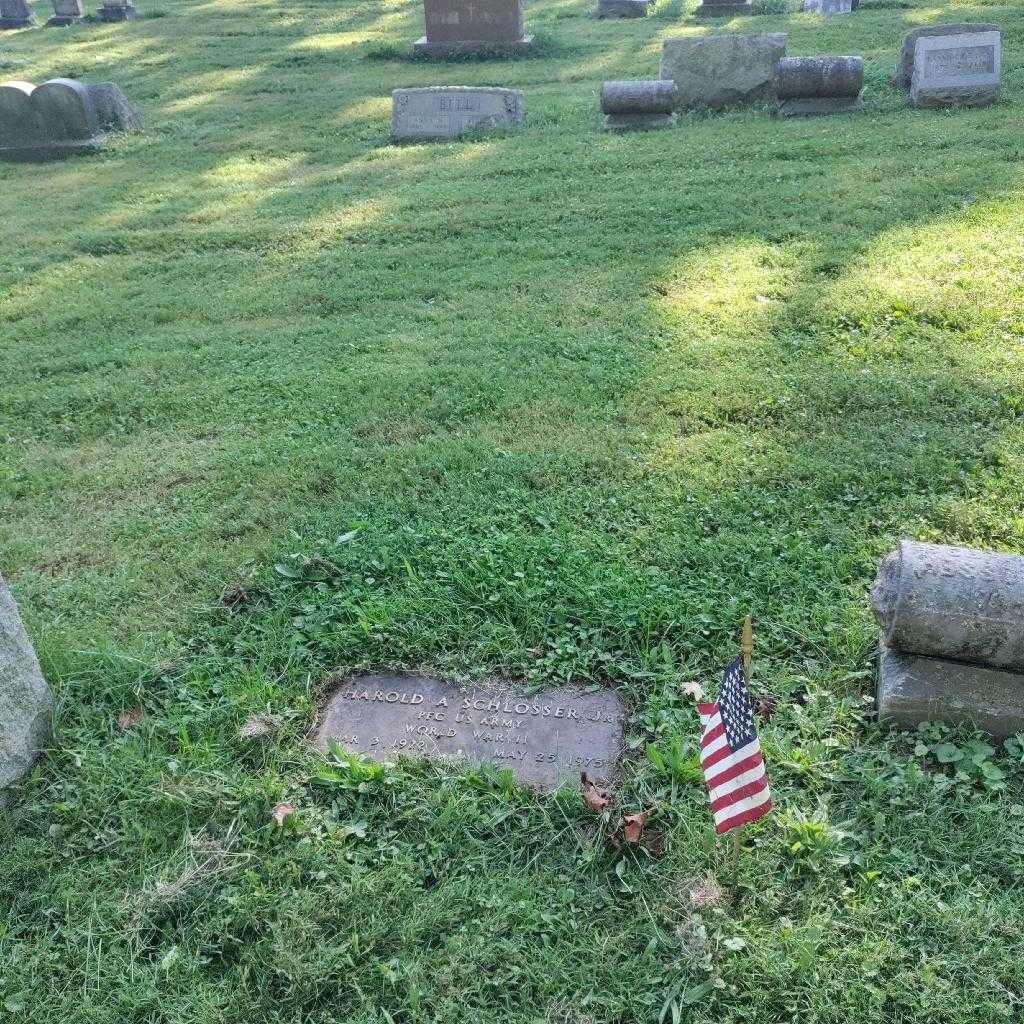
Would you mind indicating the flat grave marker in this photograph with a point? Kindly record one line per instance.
(546, 738)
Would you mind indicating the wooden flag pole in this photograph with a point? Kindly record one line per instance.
(747, 650)
(747, 645)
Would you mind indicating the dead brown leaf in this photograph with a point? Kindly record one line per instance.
(597, 799)
(633, 826)
(131, 717)
(259, 726)
(282, 811)
(766, 707)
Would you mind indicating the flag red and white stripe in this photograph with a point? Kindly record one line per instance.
(736, 779)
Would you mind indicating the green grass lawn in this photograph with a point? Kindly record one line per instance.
(281, 399)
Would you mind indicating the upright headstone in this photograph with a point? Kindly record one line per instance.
(24, 698)
(952, 643)
(19, 122)
(66, 12)
(623, 8)
(15, 14)
(819, 85)
(447, 111)
(722, 70)
(117, 10)
(64, 107)
(60, 118)
(723, 8)
(546, 738)
(905, 65)
(829, 7)
(638, 104)
(957, 70)
(480, 28)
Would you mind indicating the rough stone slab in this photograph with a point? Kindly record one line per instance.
(905, 64)
(713, 9)
(956, 603)
(813, 106)
(546, 738)
(723, 70)
(446, 111)
(457, 51)
(963, 70)
(914, 689)
(24, 698)
(623, 8)
(113, 111)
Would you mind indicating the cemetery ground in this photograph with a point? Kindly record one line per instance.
(280, 398)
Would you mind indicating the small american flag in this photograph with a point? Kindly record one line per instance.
(730, 755)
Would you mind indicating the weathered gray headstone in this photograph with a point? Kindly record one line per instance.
(24, 698)
(950, 602)
(66, 12)
(623, 8)
(65, 109)
(546, 738)
(962, 70)
(117, 10)
(913, 689)
(19, 123)
(807, 86)
(722, 70)
(638, 104)
(456, 28)
(447, 111)
(60, 118)
(952, 644)
(723, 8)
(15, 14)
(905, 65)
(828, 7)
